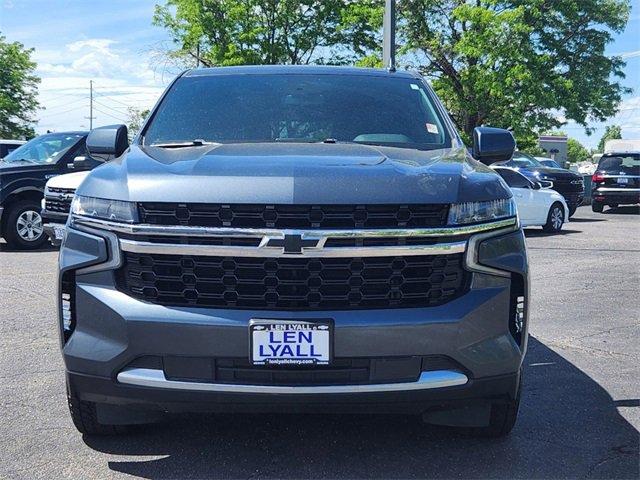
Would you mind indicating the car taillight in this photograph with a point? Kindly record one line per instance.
(597, 177)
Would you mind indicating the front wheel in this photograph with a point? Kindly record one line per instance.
(24, 229)
(555, 218)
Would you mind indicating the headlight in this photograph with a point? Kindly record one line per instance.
(115, 210)
(476, 212)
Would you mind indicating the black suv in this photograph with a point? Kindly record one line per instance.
(568, 184)
(23, 174)
(616, 181)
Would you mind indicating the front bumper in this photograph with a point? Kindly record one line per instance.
(620, 196)
(113, 331)
(54, 224)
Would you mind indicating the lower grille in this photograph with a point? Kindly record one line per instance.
(57, 205)
(294, 283)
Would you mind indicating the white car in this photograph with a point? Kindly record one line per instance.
(538, 204)
(58, 193)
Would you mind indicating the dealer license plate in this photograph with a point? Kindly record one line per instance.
(284, 342)
(58, 232)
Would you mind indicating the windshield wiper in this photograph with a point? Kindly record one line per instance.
(193, 143)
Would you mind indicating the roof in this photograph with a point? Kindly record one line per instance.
(297, 69)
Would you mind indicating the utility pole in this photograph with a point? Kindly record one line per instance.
(90, 117)
(389, 35)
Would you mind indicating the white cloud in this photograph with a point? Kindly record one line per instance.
(122, 78)
(632, 54)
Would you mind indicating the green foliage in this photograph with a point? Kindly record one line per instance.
(576, 152)
(135, 117)
(516, 63)
(18, 90)
(249, 32)
(612, 132)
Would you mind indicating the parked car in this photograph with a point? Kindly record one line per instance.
(548, 162)
(570, 185)
(8, 146)
(295, 238)
(23, 174)
(538, 205)
(58, 193)
(616, 180)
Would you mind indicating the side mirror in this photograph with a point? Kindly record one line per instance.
(79, 163)
(545, 184)
(109, 140)
(536, 185)
(491, 145)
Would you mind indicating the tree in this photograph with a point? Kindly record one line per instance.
(517, 63)
(612, 132)
(576, 151)
(18, 90)
(135, 118)
(245, 32)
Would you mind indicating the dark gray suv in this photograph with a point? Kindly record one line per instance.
(298, 239)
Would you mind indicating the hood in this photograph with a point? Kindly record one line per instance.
(19, 167)
(69, 180)
(277, 173)
(549, 172)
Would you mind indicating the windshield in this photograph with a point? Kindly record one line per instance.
(523, 160)
(44, 149)
(298, 108)
(550, 163)
(623, 165)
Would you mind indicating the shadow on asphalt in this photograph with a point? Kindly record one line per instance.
(624, 210)
(586, 220)
(538, 232)
(46, 248)
(568, 427)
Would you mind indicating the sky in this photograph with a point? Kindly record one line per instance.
(114, 43)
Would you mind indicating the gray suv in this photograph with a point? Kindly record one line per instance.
(298, 239)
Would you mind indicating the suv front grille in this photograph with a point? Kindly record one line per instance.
(61, 202)
(294, 283)
(294, 216)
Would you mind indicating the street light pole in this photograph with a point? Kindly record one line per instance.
(389, 35)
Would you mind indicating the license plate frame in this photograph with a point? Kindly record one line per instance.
(317, 349)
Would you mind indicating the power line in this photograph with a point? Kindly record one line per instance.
(109, 115)
(60, 113)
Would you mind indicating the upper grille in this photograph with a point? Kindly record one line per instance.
(294, 216)
(60, 204)
(294, 283)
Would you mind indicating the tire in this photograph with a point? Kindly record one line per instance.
(572, 210)
(597, 207)
(24, 221)
(555, 218)
(503, 417)
(85, 418)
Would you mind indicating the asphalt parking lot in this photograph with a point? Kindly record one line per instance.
(579, 418)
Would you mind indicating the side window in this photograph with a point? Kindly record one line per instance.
(80, 150)
(514, 179)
